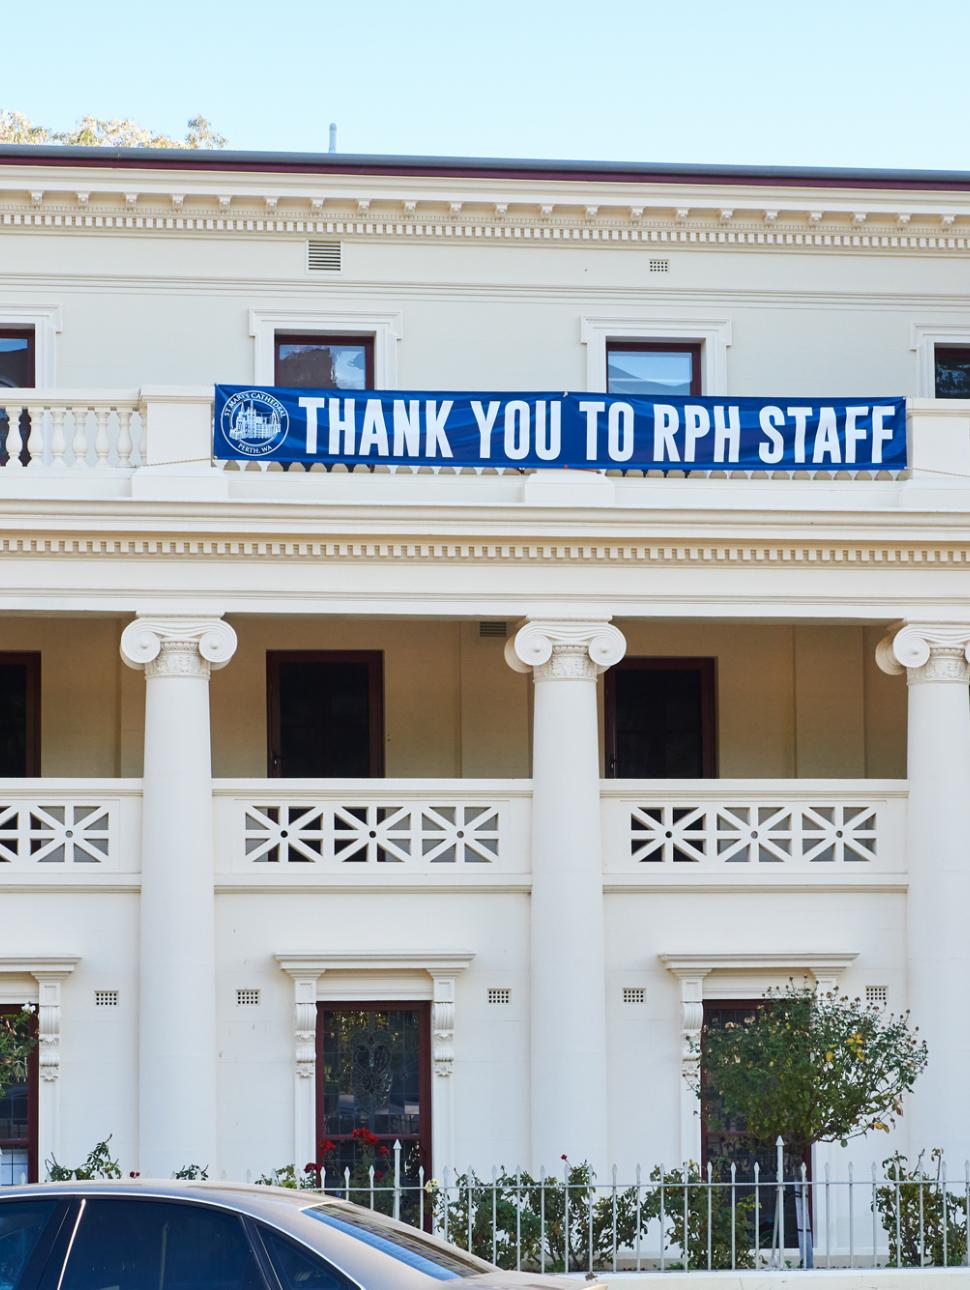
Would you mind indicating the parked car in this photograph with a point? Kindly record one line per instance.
(144, 1235)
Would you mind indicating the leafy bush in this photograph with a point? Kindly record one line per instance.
(916, 1210)
(99, 1164)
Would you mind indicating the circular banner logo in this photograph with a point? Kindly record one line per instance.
(254, 422)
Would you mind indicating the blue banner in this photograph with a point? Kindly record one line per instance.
(574, 431)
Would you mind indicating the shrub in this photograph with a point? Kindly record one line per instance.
(920, 1216)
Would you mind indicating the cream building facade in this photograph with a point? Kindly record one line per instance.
(494, 877)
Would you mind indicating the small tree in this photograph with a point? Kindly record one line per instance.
(92, 132)
(809, 1067)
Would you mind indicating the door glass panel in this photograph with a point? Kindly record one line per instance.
(649, 372)
(953, 373)
(22, 1223)
(374, 1072)
(14, 701)
(16, 361)
(324, 718)
(137, 1245)
(659, 723)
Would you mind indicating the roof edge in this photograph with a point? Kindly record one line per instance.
(311, 163)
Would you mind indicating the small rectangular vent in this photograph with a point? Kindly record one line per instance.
(106, 998)
(634, 994)
(247, 998)
(493, 627)
(323, 257)
(659, 266)
(499, 994)
(877, 995)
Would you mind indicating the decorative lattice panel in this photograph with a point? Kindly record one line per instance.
(47, 833)
(371, 833)
(838, 833)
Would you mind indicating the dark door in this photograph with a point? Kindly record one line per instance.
(325, 713)
(373, 1086)
(19, 715)
(18, 1121)
(660, 719)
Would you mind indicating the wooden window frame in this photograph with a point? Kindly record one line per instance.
(6, 1009)
(660, 347)
(29, 334)
(707, 667)
(325, 338)
(375, 695)
(962, 351)
(423, 1009)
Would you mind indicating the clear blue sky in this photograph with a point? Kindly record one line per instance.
(828, 82)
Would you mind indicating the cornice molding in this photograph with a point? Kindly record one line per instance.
(829, 228)
(924, 554)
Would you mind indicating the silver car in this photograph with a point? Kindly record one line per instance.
(143, 1235)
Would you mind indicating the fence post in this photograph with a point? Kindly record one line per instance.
(778, 1236)
(397, 1178)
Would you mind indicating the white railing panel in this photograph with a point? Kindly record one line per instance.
(298, 827)
(70, 430)
(743, 827)
(52, 827)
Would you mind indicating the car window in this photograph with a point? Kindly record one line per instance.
(299, 1268)
(159, 1245)
(22, 1224)
(409, 1247)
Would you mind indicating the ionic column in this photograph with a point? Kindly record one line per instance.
(936, 660)
(177, 1015)
(568, 1070)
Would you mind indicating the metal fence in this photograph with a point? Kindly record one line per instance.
(684, 1218)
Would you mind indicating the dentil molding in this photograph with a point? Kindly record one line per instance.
(927, 652)
(178, 645)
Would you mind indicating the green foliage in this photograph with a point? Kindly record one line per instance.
(99, 1164)
(95, 133)
(708, 1217)
(18, 1039)
(285, 1176)
(192, 1173)
(811, 1067)
(915, 1209)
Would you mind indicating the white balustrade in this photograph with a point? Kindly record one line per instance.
(312, 829)
(833, 829)
(52, 827)
(70, 430)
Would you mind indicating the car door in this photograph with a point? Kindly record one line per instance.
(30, 1227)
(132, 1243)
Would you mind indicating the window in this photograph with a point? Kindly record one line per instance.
(19, 715)
(325, 713)
(132, 1244)
(324, 362)
(660, 719)
(297, 1267)
(414, 1250)
(721, 1146)
(18, 1124)
(17, 357)
(652, 369)
(374, 1079)
(22, 1223)
(952, 372)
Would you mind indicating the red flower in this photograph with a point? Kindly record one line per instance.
(327, 1147)
(312, 1168)
(564, 1157)
(382, 1151)
(366, 1137)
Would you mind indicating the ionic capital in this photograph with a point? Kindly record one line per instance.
(927, 652)
(179, 645)
(565, 649)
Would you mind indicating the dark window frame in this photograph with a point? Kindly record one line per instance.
(311, 338)
(30, 1142)
(960, 351)
(28, 334)
(707, 667)
(692, 347)
(375, 696)
(423, 1008)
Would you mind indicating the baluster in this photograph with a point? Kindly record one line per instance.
(14, 439)
(79, 444)
(35, 440)
(101, 441)
(58, 440)
(124, 436)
